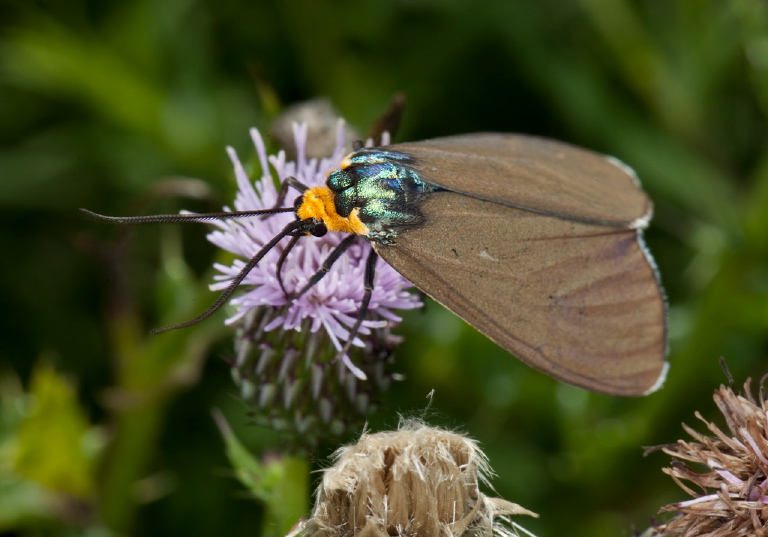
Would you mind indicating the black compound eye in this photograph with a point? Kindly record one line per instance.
(318, 230)
(297, 202)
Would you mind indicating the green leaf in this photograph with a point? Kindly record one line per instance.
(279, 482)
(55, 445)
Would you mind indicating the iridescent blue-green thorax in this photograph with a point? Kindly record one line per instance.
(384, 187)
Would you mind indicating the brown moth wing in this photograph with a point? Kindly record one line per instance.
(580, 302)
(538, 174)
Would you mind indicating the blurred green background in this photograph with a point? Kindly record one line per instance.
(105, 430)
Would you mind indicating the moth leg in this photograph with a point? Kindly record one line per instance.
(337, 252)
(289, 182)
(370, 273)
(281, 262)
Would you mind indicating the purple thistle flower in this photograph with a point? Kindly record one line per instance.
(297, 339)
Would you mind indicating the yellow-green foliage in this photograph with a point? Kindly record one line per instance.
(54, 442)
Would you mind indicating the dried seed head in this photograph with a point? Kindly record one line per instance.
(321, 120)
(732, 495)
(417, 481)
